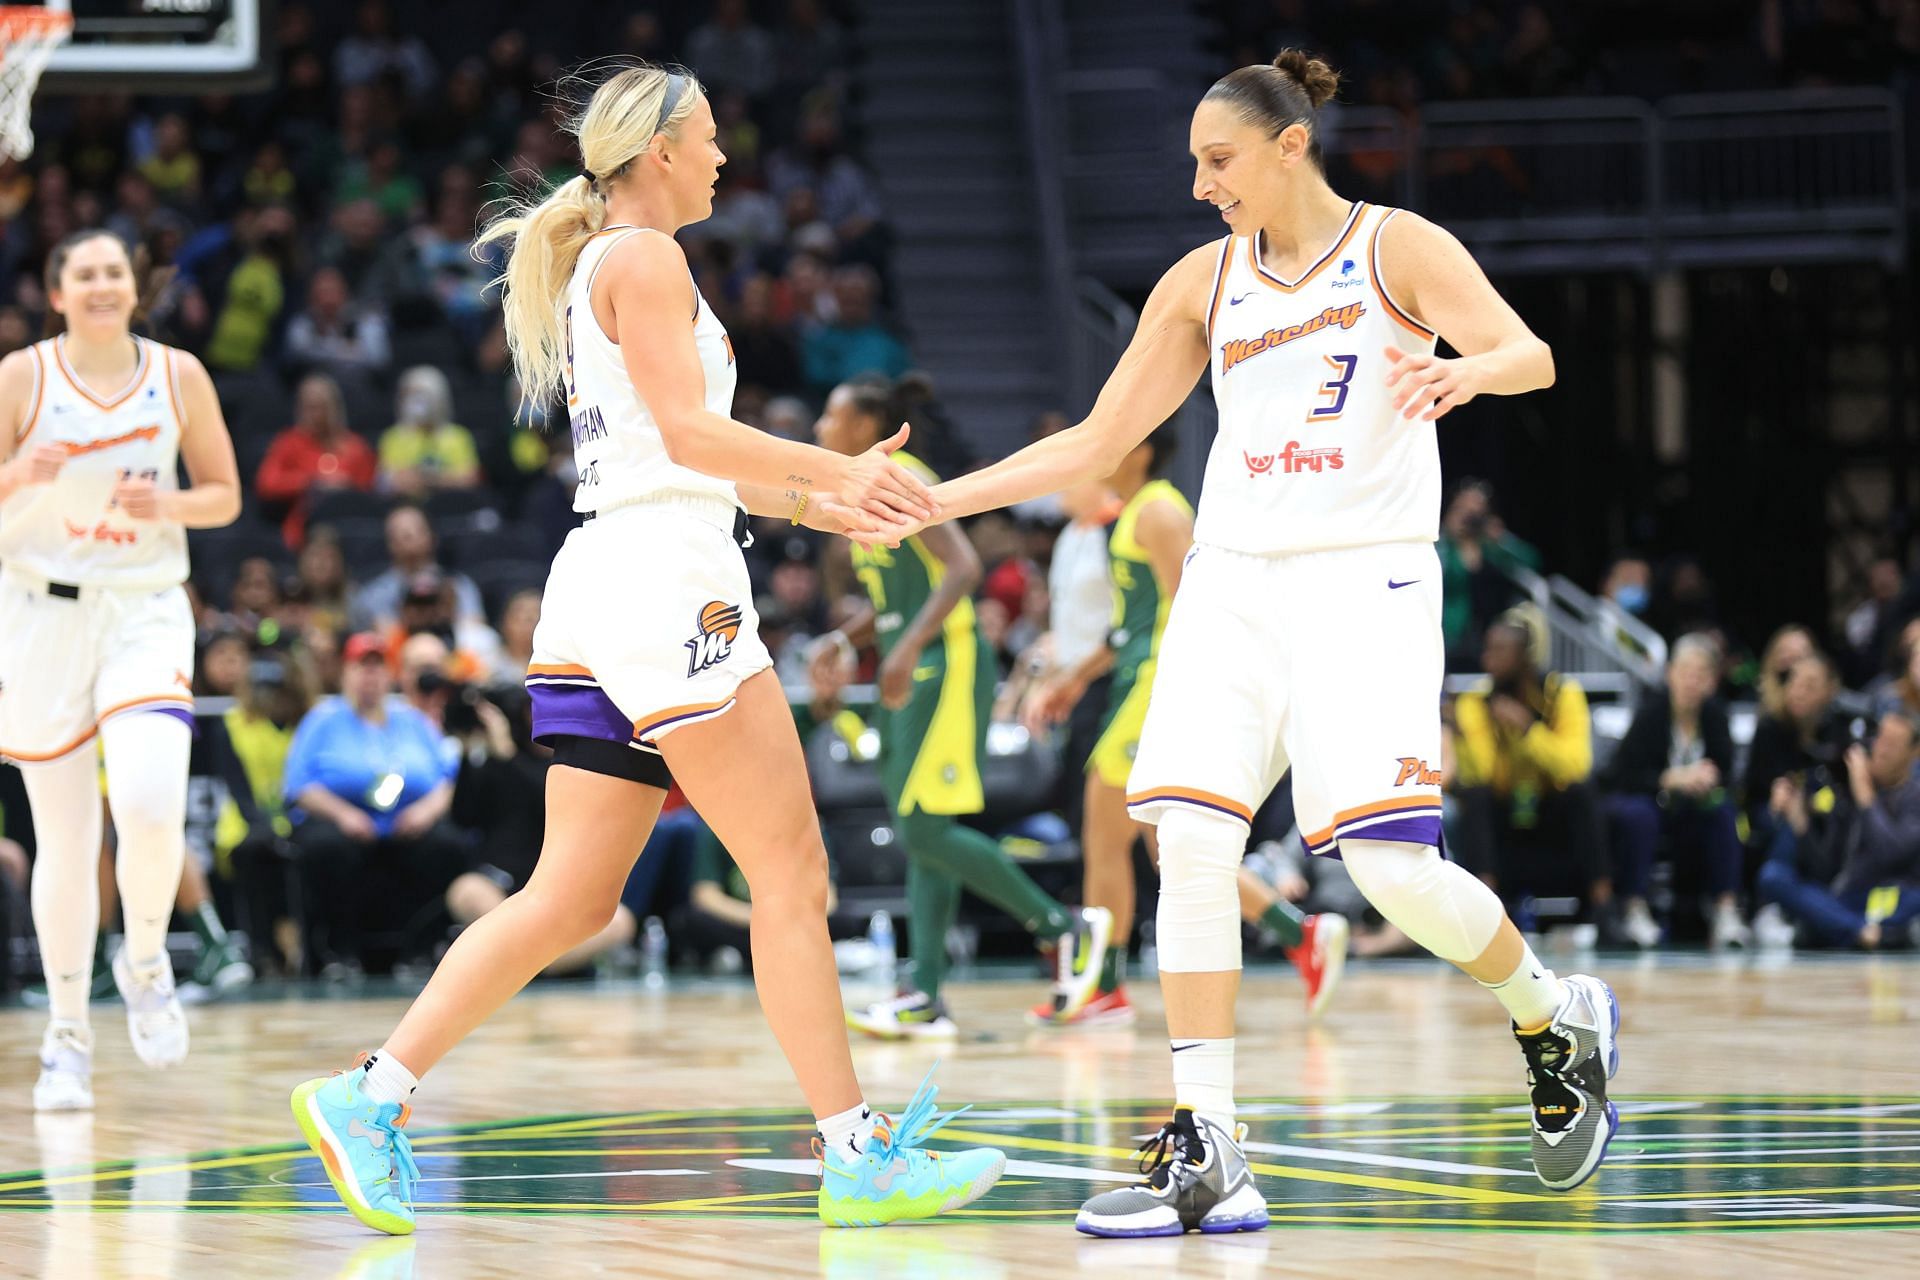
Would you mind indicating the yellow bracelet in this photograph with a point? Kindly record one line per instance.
(799, 510)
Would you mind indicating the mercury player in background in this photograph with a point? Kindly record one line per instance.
(98, 635)
(1307, 627)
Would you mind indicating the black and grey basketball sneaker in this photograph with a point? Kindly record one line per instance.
(1197, 1180)
(1569, 1062)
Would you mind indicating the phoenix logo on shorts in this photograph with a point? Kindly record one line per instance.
(1416, 771)
(719, 624)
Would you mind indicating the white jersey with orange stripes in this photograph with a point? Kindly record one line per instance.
(1310, 454)
(69, 530)
(616, 442)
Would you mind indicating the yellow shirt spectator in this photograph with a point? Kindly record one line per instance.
(1551, 753)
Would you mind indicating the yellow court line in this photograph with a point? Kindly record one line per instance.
(720, 1202)
(151, 1170)
(1450, 1130)
(1477, 1195)
(678, 1130)
(1763, 1164)
(1524, 1224)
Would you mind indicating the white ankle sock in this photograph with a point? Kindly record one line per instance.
(1203, 1078)
(388, 1080)
(846, 1134)
(1531, 993)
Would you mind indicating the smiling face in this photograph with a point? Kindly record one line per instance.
(1238, 169)
(94, 288)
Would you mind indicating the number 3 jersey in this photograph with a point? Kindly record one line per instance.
(1310, 454)
(69, 530)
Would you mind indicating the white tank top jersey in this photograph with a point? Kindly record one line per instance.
(1310, 454)
(1080, 585)
(68, 531)
(616, 442)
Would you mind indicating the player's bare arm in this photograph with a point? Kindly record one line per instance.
(1431, 273)
(212, 499)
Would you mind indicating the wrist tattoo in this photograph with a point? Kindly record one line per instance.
(800, 480)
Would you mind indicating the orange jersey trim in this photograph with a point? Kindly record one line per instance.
(28, 757)
(173, 391)
(558, 669)
(1219, 286)
(1406, 804)
(660, 719)
(1253, 254)
(1191, 795)
(39, 394)
(126, 393)
(1394, 309)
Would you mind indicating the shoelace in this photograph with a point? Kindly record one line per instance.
(918, 1122)
(1160, 1153)
(405, 1172)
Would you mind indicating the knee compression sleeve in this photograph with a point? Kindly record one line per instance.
(65, 799)
(1198, 929)
(1439, 904)
(147, 794)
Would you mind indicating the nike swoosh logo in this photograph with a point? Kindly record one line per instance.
(1395, 586)
(1182, 1048)
(1234, 302)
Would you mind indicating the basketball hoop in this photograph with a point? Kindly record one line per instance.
(28, 36)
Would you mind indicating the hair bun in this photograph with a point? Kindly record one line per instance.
(1319, 80)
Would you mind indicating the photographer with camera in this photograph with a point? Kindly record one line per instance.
(1806, 733)
(1476, 554)
(1866, 824)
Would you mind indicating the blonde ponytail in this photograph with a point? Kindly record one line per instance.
(622, 117)
(547, 239)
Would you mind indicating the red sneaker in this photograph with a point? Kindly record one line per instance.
(1107, 1009)
(1321, 957)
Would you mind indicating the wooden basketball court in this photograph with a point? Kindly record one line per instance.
(1771, 1112)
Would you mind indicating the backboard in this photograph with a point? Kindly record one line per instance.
(163, 46)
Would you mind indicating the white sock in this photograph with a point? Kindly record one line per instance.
(1531, 993)
(1203, 1078)
(846, 1134)
(388, 1079)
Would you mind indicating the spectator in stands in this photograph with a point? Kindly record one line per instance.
(1870, 625)
(370, 788)
(1476, 555)
(317, 452)
(253, 825)
(1683, 599)
(763, 349)
(1529, 812)
(222, 664)
(1873, 840)
(379, 268)
(423, 450)
(172, 168)
(334, 336)
(515, 626)
(320, 574)
(855, 343)
(458, 281)
(1672, 777)
(1805, 738)
(380, 179)
(468, 650)
(1901, 692)
(410, 547)
(421, 660)
(15, 333)
(811, 48)
(1784, 648)
(255, 596)
(373, 52)
(843, 193)
(732, 52)
(248, 301)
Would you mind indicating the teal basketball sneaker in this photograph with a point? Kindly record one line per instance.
(895, 1179)
(362, 1146)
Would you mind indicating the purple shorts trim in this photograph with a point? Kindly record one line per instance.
(584, 710)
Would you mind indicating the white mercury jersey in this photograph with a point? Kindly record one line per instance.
(1310, 454)
(616, 442)
(68, 531)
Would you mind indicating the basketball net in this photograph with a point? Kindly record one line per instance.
(28, 37)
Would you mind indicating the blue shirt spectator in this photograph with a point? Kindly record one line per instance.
(855, 343)
(369, 751)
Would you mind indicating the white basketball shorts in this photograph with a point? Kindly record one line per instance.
(71, 659)
(647, 625)
(1328, 661)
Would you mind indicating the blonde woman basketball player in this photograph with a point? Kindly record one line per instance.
(647, 658)
(97, 638)
(1307, 625)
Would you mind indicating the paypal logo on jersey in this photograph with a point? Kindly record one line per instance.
(1349, 275)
